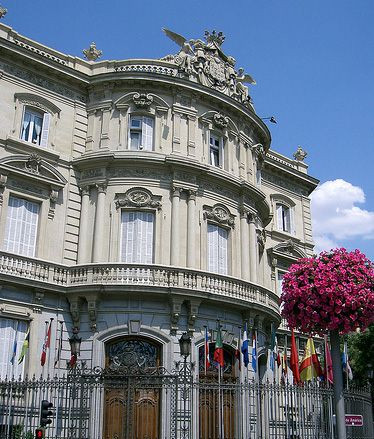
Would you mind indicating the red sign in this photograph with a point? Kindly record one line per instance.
(354, 421)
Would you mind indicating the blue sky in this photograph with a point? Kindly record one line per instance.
(314, 66)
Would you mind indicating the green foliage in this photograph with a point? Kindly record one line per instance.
(361, 356)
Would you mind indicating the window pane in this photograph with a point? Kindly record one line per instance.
(217, 249)
(21, 226)
(134, 140)
(137, 237)
(136, 122)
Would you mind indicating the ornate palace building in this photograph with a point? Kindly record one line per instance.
(139, 200)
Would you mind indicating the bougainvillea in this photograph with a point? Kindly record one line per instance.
(334, 291)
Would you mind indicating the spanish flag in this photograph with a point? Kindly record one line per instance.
(310, 367)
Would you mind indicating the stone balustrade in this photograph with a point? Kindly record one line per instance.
(58, 277)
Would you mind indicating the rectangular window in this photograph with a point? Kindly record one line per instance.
(217, 249)
(283, 218)
(21, 226)
(215, 150)
(35, 126)
(141, 133)
(12, 336)
(137, 237)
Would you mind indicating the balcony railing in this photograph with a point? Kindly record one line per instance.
(21, 269)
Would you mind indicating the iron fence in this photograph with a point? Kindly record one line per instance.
(155, 404)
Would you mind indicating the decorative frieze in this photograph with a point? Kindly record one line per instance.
(139, 198)
(219, 214)
(278, 180)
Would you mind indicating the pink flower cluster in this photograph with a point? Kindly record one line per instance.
(334, 291)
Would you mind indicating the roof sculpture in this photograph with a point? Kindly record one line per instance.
(206, 62)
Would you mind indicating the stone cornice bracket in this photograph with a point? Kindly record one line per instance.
(219, 214)
(75, 310)
(220, 121)
(3, 181)
(193, 312)
(175, 313)
(140, 198)
(142, 100)
(92, 304)
(261, 238)
(53, 197)
(260, 154)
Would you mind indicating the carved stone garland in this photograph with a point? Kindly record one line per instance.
(219, 214)
(138, 197)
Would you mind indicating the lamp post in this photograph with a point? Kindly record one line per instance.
(185, 374)
(75, 347)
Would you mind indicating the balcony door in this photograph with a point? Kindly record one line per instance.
(132, 399)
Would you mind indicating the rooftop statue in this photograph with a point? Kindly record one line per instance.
(209, 65)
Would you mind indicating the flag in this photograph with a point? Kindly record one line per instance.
(237, 353)
(254, 351)
(294, 360)
(14, 352)
(25, 346)
(46, 344)
(273, 345)
(284, 362)
(245, 347)
(59, 348)
(73, 360)
(218, 349)
(329, 377)
(206, 350)
(279, 361)
(310, 367)
(346, 367)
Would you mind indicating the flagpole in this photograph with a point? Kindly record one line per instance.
(14, 350)
(49, 347)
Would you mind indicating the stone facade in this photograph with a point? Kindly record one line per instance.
(93, 167)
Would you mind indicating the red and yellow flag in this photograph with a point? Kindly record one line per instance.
(310, 367)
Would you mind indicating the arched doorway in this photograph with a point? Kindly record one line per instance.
(217, 395)
(132, 401)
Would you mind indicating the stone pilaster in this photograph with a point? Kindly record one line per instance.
(98, 239)
(174, 238)
(83, 255)
(252, 248)
(244, 242)
(191, 241)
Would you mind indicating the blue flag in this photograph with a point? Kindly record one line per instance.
(254, 352)
(245, 347)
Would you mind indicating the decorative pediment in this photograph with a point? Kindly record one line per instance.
(32, 166)
(219, 120)
(286, 250)
(219, 214)
(139, 198)
(37, 102)
(141, 100)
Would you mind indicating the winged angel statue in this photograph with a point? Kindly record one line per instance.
(211, 66)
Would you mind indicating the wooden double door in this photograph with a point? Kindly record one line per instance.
(132, 400)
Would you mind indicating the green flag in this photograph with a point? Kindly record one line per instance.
(25, 346)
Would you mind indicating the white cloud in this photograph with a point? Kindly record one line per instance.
(336, 216)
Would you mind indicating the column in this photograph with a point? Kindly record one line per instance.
(83, 243)
(191, 237)
(244, 241)
(174, 244)
(98, 237)
(253, 248)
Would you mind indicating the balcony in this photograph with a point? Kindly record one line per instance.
(117, 277)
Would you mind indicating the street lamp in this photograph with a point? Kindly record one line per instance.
(75, 344)
(185, 345)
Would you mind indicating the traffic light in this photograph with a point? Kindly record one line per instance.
(39, 433)
(45, 413)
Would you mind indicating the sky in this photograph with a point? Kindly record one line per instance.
(313, 61)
